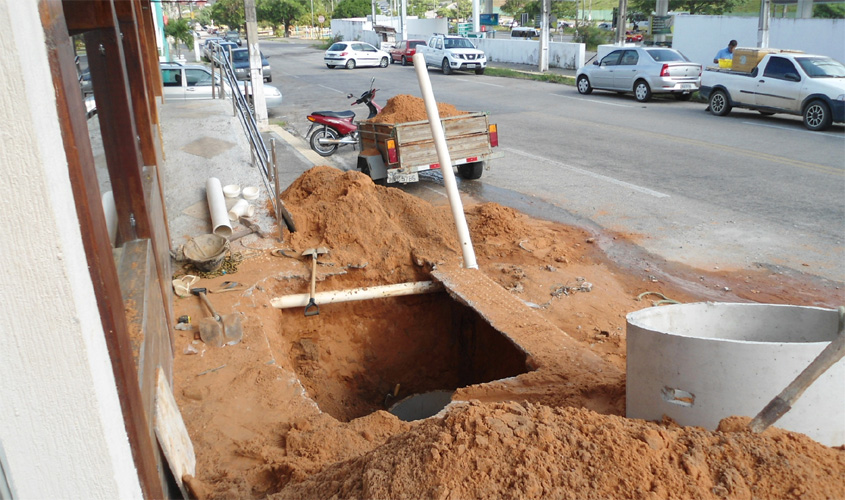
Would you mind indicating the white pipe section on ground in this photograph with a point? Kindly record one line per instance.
(372, 292)
(239, 209)
(445, 162)
(217, 208)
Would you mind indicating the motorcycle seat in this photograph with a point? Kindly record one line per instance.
(336, 114)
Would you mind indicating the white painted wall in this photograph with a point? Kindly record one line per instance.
(561, 55)
(700, 37)
(60, 421)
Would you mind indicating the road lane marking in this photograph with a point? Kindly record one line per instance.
(593, 100)
(594, 175)
(333, 90)
(480, 83)
(794, 129)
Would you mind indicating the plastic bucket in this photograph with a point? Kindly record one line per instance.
(699, 363)
(725, 63)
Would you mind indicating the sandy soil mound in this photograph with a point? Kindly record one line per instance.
(281, 412)
(405, 108)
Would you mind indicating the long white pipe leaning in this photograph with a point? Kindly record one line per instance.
(445, 162)
(372, 292)
(217, 208)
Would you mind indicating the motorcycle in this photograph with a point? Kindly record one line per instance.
(332, 129)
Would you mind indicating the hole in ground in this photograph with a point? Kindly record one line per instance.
(352, 356)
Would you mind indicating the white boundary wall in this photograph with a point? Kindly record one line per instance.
(561, 55)
(61, 425)
(700, 37)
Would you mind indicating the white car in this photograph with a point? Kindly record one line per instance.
(193, 81)
(352, 54)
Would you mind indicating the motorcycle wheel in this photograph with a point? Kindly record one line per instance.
(323, 133)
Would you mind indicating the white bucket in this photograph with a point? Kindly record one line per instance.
(699, 363)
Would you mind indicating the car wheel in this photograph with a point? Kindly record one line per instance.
(817, 116)
(392, 60)
(479, 71)
(323, 133)
(350, 64)
(680, 96)
(471, 171)
(268, 79)
(642, 91)
(719, 104)
(404, 61)
(329, 66)
(584, 85)
(447, 70)
(383, 62)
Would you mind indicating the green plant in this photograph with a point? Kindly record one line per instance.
(180, 31)
(592, 37)
(525, 75)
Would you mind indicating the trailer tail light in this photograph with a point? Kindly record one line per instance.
(494, 135)
(665, 70)
(391, 151)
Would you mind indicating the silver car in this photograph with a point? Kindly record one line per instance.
(193, 81)
(643, 71)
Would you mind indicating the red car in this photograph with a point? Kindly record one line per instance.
(404, 51)
(631, 36)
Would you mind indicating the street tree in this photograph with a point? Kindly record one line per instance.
(279, 13)
(181, 32)
(701, 7)
(353, 8)
(228, 12)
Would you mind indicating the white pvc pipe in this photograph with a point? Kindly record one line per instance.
(217, 208)
(445, 162)
(373, 292)
(110, 212)
(239, 209)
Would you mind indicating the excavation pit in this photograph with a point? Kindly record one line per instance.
(356, 358)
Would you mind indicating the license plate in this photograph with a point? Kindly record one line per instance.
(471, 66)
(686, 86)
(394, 176)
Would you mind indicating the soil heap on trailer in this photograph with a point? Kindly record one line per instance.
(397, 144)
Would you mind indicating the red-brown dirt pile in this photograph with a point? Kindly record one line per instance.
(405, 108)
(510, 450)
(252, 409)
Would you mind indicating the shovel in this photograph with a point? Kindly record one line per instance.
(311, 309)
(218, 330)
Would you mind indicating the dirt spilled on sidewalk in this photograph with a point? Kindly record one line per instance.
(298, 408)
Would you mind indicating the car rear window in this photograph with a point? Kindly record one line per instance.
(414, 44)
(337, 47)
(666, 55)
(240, 55)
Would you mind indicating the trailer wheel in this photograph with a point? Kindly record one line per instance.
(471, 171)
(364, 167)
(719, 104)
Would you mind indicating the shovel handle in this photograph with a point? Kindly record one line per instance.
(208, 305)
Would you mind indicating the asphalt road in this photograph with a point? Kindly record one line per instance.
(741, 191)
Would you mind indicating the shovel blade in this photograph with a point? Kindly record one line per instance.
(211, 332)
(233, 331)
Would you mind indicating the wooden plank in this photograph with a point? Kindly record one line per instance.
(87, 15)
(95, 238)
(160, 244)
(424, 153)
(172, 434)
(117, 126)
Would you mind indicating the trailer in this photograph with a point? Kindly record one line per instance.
(397, 152)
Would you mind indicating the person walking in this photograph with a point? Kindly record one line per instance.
(726, 53)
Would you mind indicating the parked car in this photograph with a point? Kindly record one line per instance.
(606, 26)
(404, 51)
(643, 71)
(206, 47)
(631, 36)
(525, 33)
(240, 64)
(222, 50)
(193, 81)
(352, 54)
(234, 36)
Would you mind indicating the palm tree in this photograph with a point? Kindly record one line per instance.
(181, 31)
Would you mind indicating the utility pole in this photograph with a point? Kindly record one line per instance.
(544, 36)
(621, 21)
(661, 10)
(763, 24)
(256, 78)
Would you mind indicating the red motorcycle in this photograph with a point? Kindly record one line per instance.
(332, 129)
